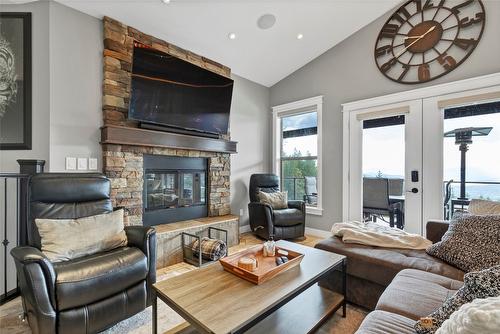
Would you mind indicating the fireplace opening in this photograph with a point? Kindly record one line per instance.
(175, 189)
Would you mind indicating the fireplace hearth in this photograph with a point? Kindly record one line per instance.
(175, 189)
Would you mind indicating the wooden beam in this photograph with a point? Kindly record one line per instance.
(112, 134)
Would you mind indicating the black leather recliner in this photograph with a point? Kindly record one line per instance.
(91, 293)
(265, 222)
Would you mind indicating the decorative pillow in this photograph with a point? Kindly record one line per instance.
(471, 243)
(481, 284)
(66, 239)
(479, 316)
(277, 200)
(483, 207)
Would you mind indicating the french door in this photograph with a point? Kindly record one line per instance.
(423, 113)
(381, 153)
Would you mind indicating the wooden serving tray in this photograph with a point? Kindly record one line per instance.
(267, 267)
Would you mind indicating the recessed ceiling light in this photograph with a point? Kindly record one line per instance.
(231, 35)
(165, 1)
(300, 36)
(266, 21)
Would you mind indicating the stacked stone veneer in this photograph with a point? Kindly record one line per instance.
(123, 164)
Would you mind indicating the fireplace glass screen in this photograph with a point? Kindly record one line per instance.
(174, 189)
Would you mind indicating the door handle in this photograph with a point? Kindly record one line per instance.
(413, 190)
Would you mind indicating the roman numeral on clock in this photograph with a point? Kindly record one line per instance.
(401, 12)
(465, 44)
(383, 50)
(389, 31)
(387, 66)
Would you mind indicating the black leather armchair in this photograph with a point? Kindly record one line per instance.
(286, 223)
(88, 294)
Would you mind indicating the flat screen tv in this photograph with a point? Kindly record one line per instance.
(174, 93)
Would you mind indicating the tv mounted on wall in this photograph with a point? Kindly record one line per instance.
(177, 95)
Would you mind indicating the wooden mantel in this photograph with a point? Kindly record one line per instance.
(121, 135)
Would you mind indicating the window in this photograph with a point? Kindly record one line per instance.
(474, 128)
(297, 151)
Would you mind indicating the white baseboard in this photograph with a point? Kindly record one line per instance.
(245, 228)
(318, 233)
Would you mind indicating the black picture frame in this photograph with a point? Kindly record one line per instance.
(26, 142)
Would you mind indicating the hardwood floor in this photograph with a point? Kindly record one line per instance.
(141, 323)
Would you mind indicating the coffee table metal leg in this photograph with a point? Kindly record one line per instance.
(344, 287)
(155, 313)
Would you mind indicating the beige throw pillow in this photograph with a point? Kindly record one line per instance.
(277, 200)
(484, 207)
(66, 239)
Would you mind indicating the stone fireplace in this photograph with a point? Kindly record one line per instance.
(126, 147)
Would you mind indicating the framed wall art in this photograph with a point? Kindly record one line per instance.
(15, 81)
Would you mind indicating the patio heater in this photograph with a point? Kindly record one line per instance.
(463, 138)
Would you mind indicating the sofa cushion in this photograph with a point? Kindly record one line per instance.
(482, 315)
(288, 217)
(471, 243)
(381, 265)
(416, 293)
(480, 284)
(88, 279)
(484, 207)
(382, 322)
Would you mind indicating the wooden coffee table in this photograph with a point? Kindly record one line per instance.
(212, 300)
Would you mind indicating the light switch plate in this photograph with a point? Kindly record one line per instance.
(70, 163)
(82, 163)
(92, 164)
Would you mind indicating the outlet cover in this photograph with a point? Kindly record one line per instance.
(92, 164)
(82, 163)
(70, 163)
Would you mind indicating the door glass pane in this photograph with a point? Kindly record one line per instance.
(472, 132)
(384, 170)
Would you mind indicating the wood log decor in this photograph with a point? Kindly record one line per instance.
(123, 158)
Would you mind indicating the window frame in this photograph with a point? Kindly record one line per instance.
(313, 104)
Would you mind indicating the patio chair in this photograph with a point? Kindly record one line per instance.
(376, 202)
(311, 195)
(396, 187)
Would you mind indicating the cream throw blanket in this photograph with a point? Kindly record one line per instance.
(374, 234)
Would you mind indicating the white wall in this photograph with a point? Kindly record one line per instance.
(347, 72)
(250, 127)
(40, 91)
(75, 85)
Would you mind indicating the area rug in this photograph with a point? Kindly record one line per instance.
(167, 319)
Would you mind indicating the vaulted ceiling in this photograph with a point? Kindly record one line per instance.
(261, 55)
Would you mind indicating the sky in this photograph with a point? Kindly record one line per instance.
(307, 145)
(384, 149)
(483, 157)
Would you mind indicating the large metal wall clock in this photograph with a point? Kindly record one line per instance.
(425, 39)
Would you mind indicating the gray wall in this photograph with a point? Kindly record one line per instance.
(40, 91)
(67, 96)
(250, 127)
(75, 85)
(347, 72)
(67, 80)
